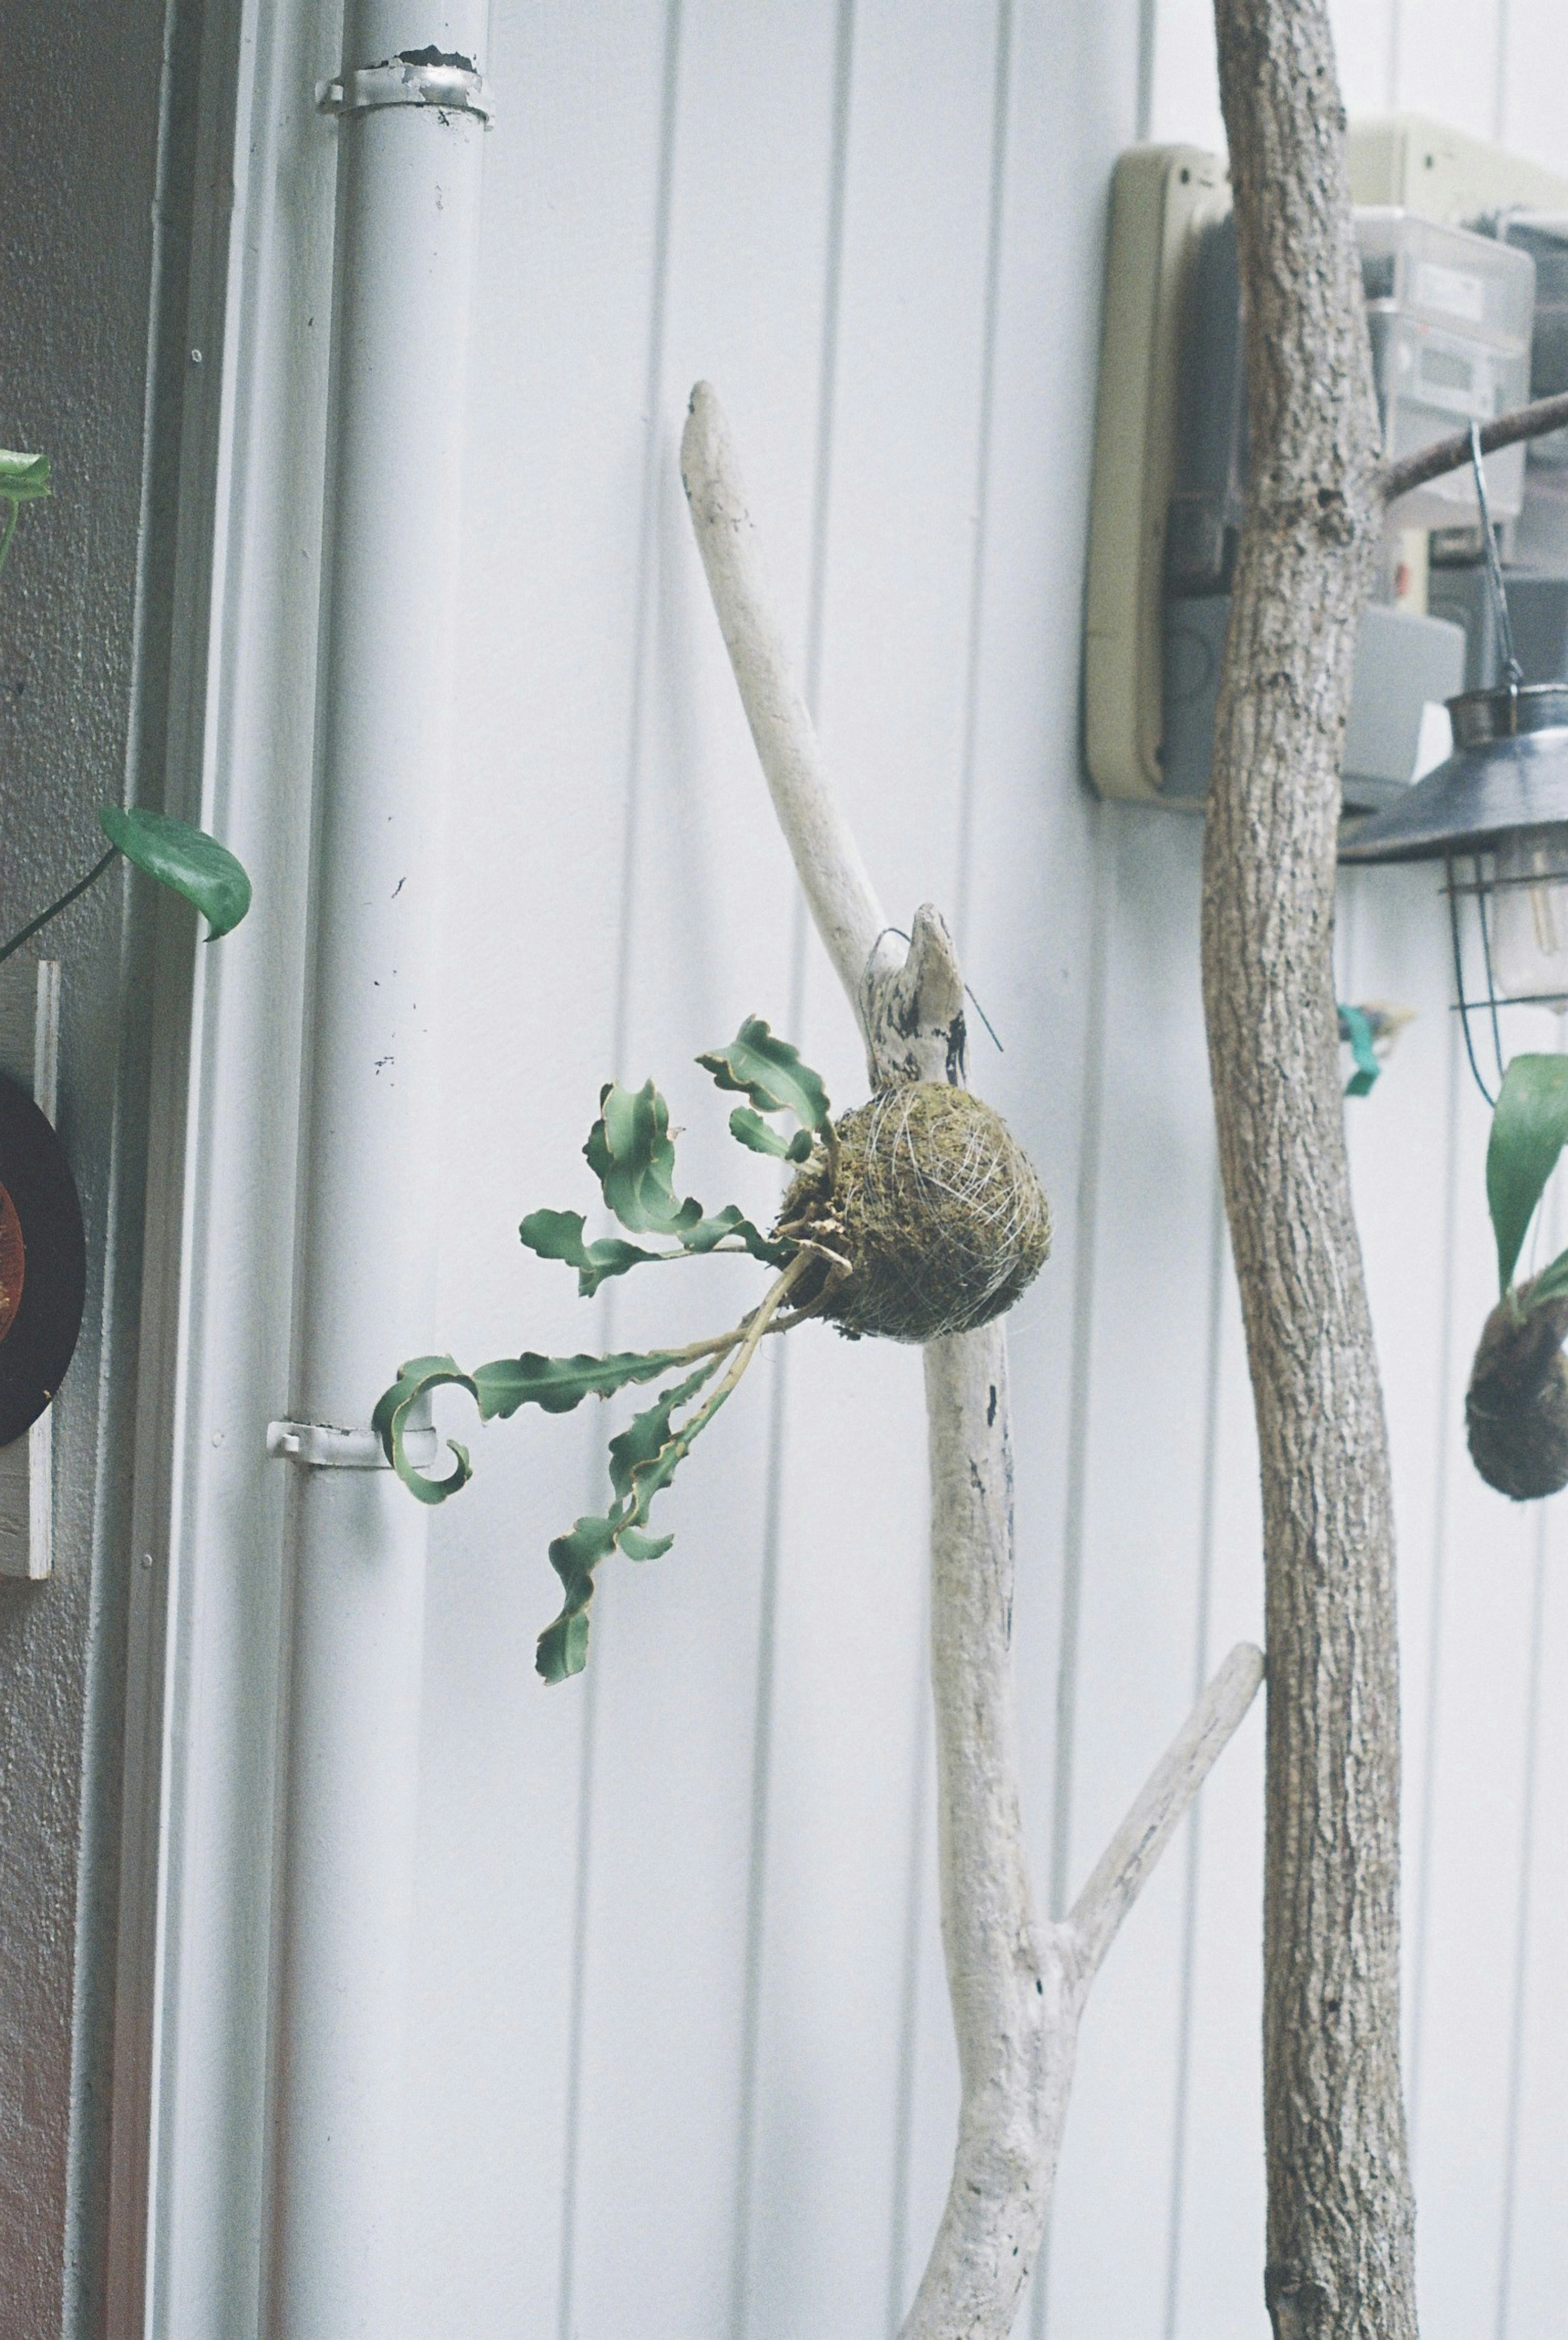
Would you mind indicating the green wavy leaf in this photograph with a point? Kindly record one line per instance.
(643, 1459)
(185, 859)
(770, 1073)
(559, 1235)
(631, 1153)
(750, 1129)
(732, 1221)
(557, 1384)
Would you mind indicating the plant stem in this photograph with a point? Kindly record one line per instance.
(749, 1338)
(81, 887)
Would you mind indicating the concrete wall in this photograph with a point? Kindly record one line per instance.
(94, 227)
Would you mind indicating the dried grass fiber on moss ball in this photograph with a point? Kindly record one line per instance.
(936, 1207)
(1516, 1407)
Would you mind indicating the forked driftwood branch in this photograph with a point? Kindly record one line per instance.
(1017, 1985)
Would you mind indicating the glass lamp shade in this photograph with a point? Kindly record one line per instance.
(1529, 937)
(1496, 813)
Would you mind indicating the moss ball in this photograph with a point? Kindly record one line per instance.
(935, 1207)
(1516, 1407)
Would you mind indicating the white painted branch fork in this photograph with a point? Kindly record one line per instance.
(1017, 1985)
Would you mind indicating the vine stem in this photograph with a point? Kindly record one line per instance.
(1017, 1985)
(65, 900)
(757, 1324)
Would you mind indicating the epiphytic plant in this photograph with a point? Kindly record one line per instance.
(916, 1215)
(1516, 1406)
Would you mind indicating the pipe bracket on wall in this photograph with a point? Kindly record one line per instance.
(414, 78)
(321, 1446)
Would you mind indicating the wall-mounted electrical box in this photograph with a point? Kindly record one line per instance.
(1160, 198)
(1449, 272)
(1444, 175)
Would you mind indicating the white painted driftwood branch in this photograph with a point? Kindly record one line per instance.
(1017, 1985)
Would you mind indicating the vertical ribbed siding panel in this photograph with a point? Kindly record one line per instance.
(755, 1919)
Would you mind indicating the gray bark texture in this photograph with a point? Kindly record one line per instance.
(1341, 2221)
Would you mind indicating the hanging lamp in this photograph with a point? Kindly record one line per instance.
(1497, 815)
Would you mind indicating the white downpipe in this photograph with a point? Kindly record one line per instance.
(407, 207)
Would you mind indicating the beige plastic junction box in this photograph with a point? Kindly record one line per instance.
(1163, 197)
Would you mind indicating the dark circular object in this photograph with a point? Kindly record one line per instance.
(43, 1251)
(1516, 1407)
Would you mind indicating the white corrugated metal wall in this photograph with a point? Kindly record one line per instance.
(683, 2064)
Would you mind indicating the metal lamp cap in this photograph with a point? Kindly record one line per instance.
(1508, 771)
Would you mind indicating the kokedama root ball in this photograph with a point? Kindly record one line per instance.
(934, 1223)
(1516, 1407)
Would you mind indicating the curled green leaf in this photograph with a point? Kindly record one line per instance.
(185, 859)
(415, 1380)
(770, 1073)
(631, 1153)
(563, 1645)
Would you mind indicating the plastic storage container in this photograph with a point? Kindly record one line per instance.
(1450, 316)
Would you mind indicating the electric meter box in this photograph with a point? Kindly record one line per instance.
(1545, 236)
(1449, 313)
(1449, 317)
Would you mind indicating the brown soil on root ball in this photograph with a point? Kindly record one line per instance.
(936, 1210)
(1516, 1407)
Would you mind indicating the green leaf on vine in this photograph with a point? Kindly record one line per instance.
(643, 1459)
(559, 1235)
(24, 479)
(557, 1384)
(769, 1070)
(1529, 1129)
(631, 1153)
(750, 1129)
(731, 1223)
(185, 859)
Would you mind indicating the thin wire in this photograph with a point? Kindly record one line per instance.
(1486, 960)
(903, 937)
(1459, 983)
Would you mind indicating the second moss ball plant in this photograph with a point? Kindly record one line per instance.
(1516, 1406)
(915, 1215)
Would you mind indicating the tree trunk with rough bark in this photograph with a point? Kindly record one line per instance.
(1341, 2221)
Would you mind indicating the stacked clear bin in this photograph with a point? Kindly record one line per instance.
(1540, 538)
(1449, 313)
